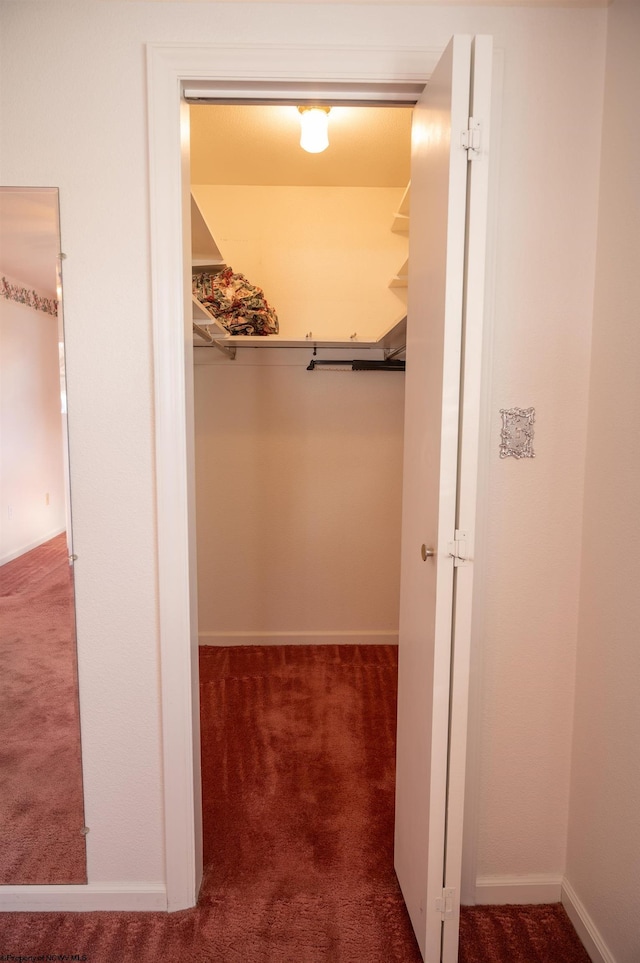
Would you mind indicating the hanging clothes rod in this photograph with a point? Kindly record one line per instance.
(355, 365)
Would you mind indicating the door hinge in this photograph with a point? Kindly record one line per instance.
(471, 139)
(446, 904)
(458, 549)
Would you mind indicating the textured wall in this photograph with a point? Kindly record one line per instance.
(603, 862)
(545, 225)
(299, 491)
(73, 80)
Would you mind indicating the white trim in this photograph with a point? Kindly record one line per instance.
(473, 776)
(534, 888)
(169, 67)
(113, 897)
(174, 501)
(298, 92)
(472, 3)
(29, 548)
(470, 462)
(501, 890)
(584, 926)
(365, 637)
(267, 64)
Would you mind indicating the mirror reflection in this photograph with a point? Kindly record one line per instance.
(41, 802)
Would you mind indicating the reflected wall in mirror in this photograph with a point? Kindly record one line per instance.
(41, 800)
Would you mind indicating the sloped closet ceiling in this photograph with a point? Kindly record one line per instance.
(259, 144)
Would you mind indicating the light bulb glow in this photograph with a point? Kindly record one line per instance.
(314, 124)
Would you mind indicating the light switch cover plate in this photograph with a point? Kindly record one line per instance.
(516, 437)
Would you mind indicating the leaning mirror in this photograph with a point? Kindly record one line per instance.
(41, 802)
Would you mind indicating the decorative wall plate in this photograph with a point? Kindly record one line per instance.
(516, 437)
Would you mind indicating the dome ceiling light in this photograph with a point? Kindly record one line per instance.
(314, 123)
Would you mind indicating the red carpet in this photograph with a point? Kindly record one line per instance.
(301, 742)
(41, 805)
(298, 766)
(519, 934)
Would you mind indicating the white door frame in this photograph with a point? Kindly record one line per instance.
(170, 69)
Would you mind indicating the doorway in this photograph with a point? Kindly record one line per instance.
(168, 65)
(298, 472)
(298, 502)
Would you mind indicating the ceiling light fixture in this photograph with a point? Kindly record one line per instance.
(314, 123)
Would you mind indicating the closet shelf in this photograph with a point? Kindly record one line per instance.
(204, 250)
(394, 339)
(206, 265)
(391, 340)
(400, 223)
(280, 341)
(208, 332)
(402, 277)
(204, 318)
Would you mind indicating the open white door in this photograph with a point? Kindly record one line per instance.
(439, 372)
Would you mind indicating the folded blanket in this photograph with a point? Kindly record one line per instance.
(240, 306)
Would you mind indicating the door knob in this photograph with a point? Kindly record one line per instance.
(426, 553)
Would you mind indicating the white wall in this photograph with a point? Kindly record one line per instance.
(603, 864)
(324, 256)
(73, 79)
(32, 491)
(299, 492)
(545, 233)
(299, 475)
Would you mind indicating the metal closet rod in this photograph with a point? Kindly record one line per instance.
(356, 365)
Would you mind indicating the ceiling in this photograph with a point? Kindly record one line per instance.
(29, 237)
(259, 144)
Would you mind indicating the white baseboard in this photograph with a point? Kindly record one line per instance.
(500, 890)
(116, 897)
(584, 926)
(9, 557)
(365, 637)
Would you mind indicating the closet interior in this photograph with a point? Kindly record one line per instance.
(298, 436)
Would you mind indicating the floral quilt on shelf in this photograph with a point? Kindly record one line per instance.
(240, 306)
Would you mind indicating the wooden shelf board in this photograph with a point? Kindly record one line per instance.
(401, 220)
(391, 337)
(402, 277)
(203, 246)
(400, 224)
(205, 318)
(395, 336)
(201, 263)
(280, 341)
(405, 203)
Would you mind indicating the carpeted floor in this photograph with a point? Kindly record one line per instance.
(301, 740)
(41, 805)
(519, 934)
(298, 771)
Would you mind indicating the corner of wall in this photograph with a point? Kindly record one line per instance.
(584, 926)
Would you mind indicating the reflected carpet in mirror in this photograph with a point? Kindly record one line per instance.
(41, 804)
